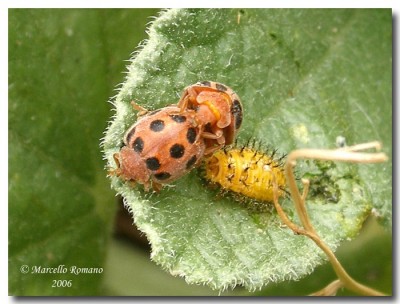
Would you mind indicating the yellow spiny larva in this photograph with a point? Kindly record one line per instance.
(246, 171)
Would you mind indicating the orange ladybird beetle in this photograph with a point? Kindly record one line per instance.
(218, 107)
(160, 147)
(165, 144)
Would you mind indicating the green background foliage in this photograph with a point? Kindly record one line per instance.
(65, 64)
(63, 67)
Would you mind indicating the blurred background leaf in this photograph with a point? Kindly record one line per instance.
(63, 66)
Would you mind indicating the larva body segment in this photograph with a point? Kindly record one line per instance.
(246, 171)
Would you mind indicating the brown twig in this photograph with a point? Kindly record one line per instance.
(347, 154)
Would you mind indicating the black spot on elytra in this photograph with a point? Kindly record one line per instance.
(237, 112)
(138, 145)
(236, 107)
(157, 125)
(162, 175)
(191, 162)
(191, 135)
(205, 83)
(177, 151)
(221, 87)
(129, 136)
(152, 163)
(178, 118)
(153, 112)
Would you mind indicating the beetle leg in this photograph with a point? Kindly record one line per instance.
(189, 96)
(211, 150)
(132, 183)
(116, 159)
(141, 111)
(117, 171)
(218, 135)
(156, 186)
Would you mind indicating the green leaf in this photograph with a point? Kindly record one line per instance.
(63, 66)
(305, 77)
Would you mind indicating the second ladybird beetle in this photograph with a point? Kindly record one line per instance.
(218, 107)
(165, 144)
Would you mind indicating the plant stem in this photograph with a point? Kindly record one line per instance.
(347, 154)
